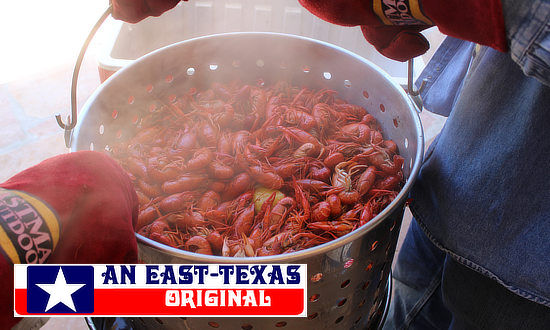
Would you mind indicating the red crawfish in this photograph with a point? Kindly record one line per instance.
(201, 158)
(199, 244)
(225, 117)
(328, 157)
(315, 186)
(189, 219)
(366, 180)
(357, 112)
(265, 177)
(209, 200)
(225, 143)
(356, 132)
(177, 202)
(320, 212)
(136, 166)
(142, 198)
(288, 167)
(207, 134)
(336, 228)
(185, 182)
(147, 216)
(240, 141)
(307, 149)
(160, 231)
(341, 178)
(300, 119)
(335, 205)
(239, 184)
(245, 220)
(185, 141)
(295, 135)
(219, 170)
(333, 159)
(279, 212)
(321, 114)
(318, 171)
(151, 190)
(215, 240)
(165, 173)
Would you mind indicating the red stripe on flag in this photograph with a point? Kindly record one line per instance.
(153, 302)
(20, 301)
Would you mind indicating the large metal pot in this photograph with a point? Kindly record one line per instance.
(347, 277)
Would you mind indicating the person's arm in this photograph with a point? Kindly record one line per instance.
(75, 208)
(393, 26)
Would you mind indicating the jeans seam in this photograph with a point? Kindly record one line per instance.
(445, 57)
(523, 42)
(526, 38)
(432, 287)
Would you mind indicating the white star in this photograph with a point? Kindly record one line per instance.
(60, 291)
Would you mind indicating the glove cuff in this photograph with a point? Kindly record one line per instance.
(478, 21)
(29, 228)
(400, 12)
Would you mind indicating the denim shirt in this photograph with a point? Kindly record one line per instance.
(483, 193)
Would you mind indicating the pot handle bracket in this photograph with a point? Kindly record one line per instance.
(414, 93)
(72, 118)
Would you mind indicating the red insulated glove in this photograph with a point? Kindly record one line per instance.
(393, 26)
(73, 208)
(133, 11)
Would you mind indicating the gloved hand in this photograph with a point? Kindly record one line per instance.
(74, 208)
(393, 26)
(133, 11)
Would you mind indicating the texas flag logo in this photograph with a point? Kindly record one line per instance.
(60, 289)
(229, 290)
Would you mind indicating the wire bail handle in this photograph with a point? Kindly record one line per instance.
(411, 90)
(72, 118)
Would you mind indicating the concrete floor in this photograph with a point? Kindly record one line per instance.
(36, 67)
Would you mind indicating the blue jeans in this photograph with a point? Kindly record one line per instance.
(433, 291)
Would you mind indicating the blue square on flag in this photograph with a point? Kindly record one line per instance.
(60, 289)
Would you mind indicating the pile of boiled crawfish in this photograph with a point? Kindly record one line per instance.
(250, 170)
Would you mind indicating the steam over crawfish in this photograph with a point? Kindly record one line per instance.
(200, 164)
